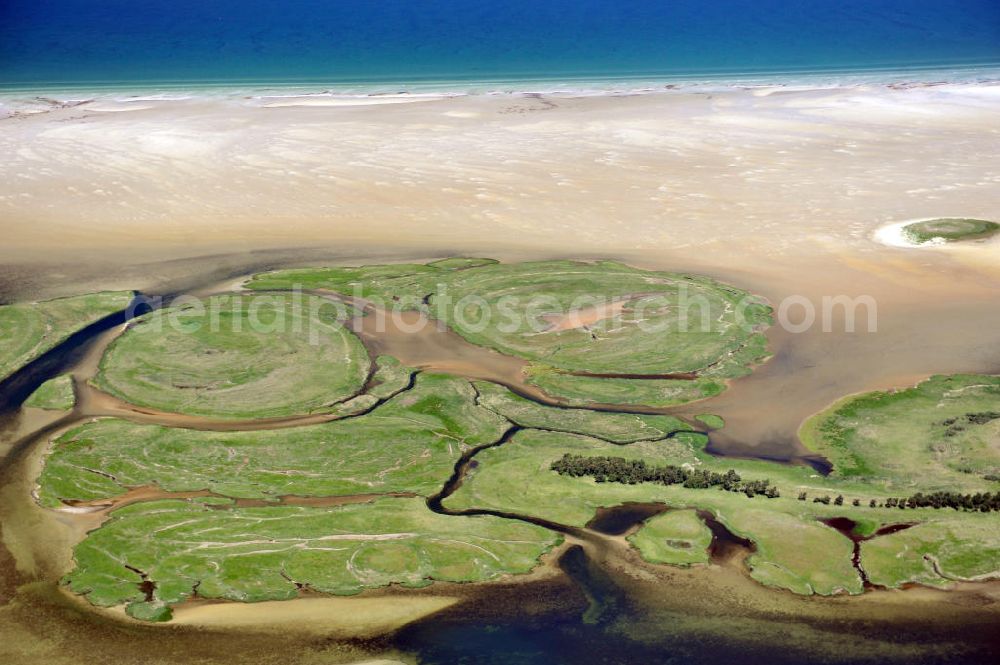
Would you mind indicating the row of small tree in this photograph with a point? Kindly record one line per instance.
(983, 502)
(605, 469)
(620, 470)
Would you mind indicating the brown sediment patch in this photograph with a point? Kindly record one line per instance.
(419, 341)
(429, 345)
(585, 317)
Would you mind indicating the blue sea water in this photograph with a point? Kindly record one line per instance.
(149, 44)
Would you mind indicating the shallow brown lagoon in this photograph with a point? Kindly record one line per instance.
(781, 231)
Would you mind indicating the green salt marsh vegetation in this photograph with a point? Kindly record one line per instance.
(405, 283)
(27, 330)
(237, 357)
(517, 477)
(614, 427)
(794, 549)
(408, 444)
(591, 329)
(155, 554)
(949, 229)
(54, 394)
(965, 547)
(391, 377)
(941, 434)
(581, 390)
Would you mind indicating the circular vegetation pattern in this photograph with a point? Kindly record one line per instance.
(607, 332)
(603, 317)
(237, 357)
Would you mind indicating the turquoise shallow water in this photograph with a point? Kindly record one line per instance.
(379, 44)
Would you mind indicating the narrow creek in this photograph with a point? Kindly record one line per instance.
(848, 528)
(435, 502)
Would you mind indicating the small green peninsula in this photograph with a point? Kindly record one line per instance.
(420, 476)
(27, 330)
(55, 394)
(941, 434)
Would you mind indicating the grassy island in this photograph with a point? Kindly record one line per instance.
(711, 420)
(676, 537)
(949, 229)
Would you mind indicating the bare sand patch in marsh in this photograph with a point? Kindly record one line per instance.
(585, 317)
(740, 177)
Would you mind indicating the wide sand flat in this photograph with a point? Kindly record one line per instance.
(765, 173)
